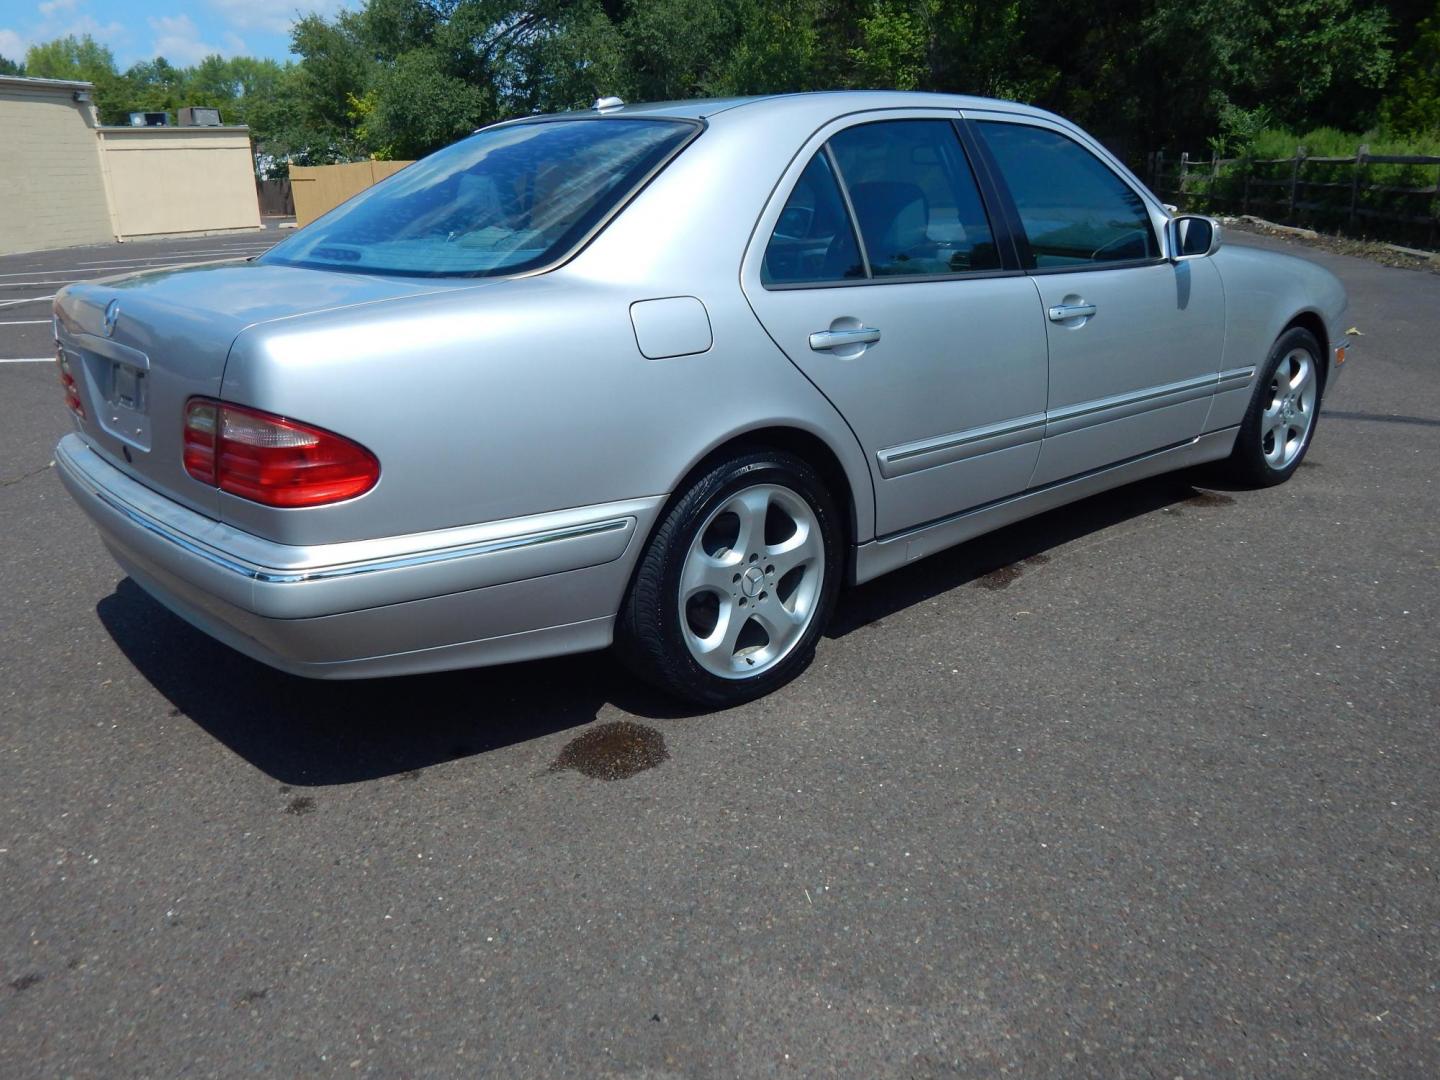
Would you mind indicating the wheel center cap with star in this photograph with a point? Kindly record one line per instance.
(752, 581)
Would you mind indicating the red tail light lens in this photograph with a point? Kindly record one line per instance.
(67, 381)
(273, 460)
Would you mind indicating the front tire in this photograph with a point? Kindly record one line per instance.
(1281, 419)
(737, 583)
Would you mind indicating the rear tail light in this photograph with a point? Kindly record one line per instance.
(273, 460)
(67, 381)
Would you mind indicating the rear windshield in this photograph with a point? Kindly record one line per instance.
(506, 200)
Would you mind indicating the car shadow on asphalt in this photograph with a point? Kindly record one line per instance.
(307, 732)
(996, 559)
(310, 733)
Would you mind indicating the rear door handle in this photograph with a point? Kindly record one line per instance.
(834, 339)
(1061, 312)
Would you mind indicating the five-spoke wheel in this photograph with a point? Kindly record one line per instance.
(751, 580)
(1290, 410)
(736, 582)
(1280, 421)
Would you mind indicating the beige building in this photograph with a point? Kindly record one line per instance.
(52, 192)
(179, 179)
(65, 181)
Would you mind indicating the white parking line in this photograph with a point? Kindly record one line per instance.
(176, 259)
(25, 322)
(177, 255)
(27, 360)
(30, 284)
(26, 300)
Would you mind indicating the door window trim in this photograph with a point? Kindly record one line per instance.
(1014, 224)
(819, 142)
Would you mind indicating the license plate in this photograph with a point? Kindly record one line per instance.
(127, 388)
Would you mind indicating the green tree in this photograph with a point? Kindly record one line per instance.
(336, 70)
(1412, 106)
(1308, 62)
(87, 60)
(10, 67)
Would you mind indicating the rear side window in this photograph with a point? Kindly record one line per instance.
(813, 240)
(915, 198)
(506, 200)
(1075, 211)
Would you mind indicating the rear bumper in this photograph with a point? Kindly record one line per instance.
(485, 594)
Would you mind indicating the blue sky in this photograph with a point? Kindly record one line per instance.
(141, 29)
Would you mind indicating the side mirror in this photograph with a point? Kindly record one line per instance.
(1193, 236)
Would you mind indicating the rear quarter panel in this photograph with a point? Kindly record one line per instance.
(526, 397)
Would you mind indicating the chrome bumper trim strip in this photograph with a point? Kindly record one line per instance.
(269, 575)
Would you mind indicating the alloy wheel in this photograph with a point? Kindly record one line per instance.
(1289, 410)
(751, 581)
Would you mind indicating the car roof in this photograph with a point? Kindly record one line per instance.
(822, 101)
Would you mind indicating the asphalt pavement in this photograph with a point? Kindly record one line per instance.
(1146, 787)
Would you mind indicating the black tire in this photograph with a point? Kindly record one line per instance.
(649, 637)
(1247, 464)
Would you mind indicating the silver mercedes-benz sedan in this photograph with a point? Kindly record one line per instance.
(667, 376)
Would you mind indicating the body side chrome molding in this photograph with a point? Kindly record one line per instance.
(891, 552)
(944, 449)
(1235, 378)
(1119, 406)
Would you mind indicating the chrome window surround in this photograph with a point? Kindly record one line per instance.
(1008, 210)
(834, 126)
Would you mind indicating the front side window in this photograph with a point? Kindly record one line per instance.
(813, 240)
(1075, 211)
(506, 200)
(915, 198)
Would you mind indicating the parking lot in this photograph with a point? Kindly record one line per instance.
(1148, 786)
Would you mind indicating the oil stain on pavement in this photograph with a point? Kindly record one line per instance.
(615, 751)
(1208, 499)
(1002, 577)
(1202, 500)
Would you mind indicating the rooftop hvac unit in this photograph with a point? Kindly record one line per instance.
(194, 116)
(149, 119)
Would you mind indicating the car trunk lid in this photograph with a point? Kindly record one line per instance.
(140, 346)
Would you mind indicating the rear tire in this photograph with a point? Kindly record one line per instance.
(737, 582)
(1280, 422)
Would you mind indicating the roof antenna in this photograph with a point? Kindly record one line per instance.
(605, 104)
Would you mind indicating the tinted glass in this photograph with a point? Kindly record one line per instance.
(915, 198)
(1073, 208)
(504, 200)
(813, 240)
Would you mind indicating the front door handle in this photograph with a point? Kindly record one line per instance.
(1061, 312)
(834, 339)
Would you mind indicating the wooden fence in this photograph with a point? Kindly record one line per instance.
(319, 188)
(1331, 192)
(275, 198)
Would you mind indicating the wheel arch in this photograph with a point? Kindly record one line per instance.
(1310, 320)
(855, 505)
